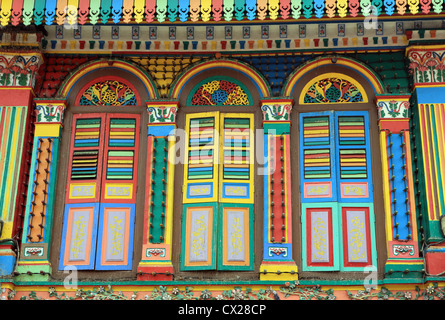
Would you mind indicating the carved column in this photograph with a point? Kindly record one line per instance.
(156, 263)
(37, 228)
(277, 263)
(427, 65)
(18, 71)
(398, 188)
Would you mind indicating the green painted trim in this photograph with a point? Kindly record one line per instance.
(251, 266)
(214, 230)
(280, 128)
(336, 236)
(341, 283)
(48, 231)
(207, 80)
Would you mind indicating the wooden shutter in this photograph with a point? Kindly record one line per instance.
(201, 158)
(218, 192)
(83, 191)
(101, 192)
(320, 237)
(200, 192)
(354, 170)
(317, 157)
(86, 154)
(119, 175)
(236, 216)
(338, 231)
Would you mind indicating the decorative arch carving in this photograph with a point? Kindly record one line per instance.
(219, 91)
(225, 67)
(108, 91)
(321, 63)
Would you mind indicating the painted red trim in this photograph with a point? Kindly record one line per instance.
(100, 148)
(345, 238)
(309, 239)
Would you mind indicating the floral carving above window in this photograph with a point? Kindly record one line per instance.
(333, 90)
(108, 93)
(220, 93)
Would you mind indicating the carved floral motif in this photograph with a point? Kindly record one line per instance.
(427, 66)
(18, 70)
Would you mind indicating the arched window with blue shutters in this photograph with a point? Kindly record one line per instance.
(336, 191)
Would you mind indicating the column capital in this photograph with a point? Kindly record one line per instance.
(277, 109)
(393, 111)
(49, 110)
(19, 67)
(162, 111)
(427, 64)
(276, 114)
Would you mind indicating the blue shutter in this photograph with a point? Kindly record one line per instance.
(354, 174)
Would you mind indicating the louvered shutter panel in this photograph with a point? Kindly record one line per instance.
(201, 158)
(86, 153)
(317, 157)
(83, 192)
(200, 192)
(119, 184)
(119, 175)
(354, 173)
(235, 222)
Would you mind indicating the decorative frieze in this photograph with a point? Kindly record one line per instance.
(19, 69)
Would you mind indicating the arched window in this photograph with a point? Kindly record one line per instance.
(337, 150)
(99, 176)
(219, 116)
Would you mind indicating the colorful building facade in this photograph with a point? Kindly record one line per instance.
(245, 149)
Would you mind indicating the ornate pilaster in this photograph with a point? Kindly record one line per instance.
(156, 263)
(398, 188)
(18, 70)
(427, 66)
(277, 263)
(37, 231)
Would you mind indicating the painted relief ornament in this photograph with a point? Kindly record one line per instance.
(18, 70)
(333, 90)
(427, 66)
(49, 113)
(276, 112)
(162, 114)
(393, 109)
(108, 93)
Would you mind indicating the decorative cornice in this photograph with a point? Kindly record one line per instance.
(277, 110)
(149, 11)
